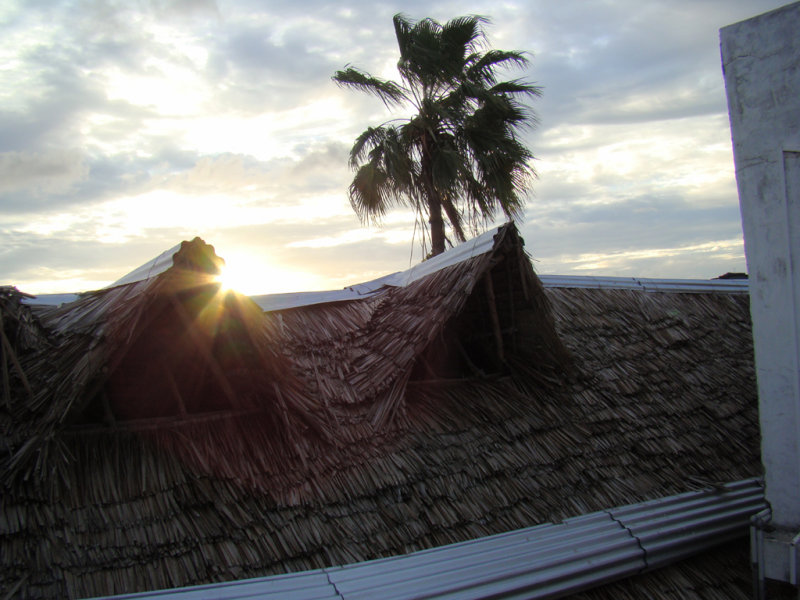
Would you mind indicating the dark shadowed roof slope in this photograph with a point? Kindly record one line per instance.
(167, 435)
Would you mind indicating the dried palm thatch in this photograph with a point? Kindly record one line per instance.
(175, 436)
(164, 348)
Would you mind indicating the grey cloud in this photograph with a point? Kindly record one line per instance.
(319, 168)
(253, 72)
(186, 8)
(642, 222)
(102, 178)
(57, 87)
(593, 58)
(41, 173)
(24, 254)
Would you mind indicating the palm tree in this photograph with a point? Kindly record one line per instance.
(459, 154)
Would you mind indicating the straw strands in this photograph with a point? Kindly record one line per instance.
(177, 437)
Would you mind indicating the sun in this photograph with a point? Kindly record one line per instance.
(251, 276)
(232, 279)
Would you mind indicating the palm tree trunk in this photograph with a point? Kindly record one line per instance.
(437, 224)
(434, 201)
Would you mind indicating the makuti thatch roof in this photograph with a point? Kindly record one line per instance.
(160, 434)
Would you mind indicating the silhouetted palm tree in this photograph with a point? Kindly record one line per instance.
(459, 155)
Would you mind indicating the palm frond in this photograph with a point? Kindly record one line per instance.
(368, 139)
(517, 87)
(370, 194)
(462, 35)
(402, 31)
(388, 91)
(482, 68)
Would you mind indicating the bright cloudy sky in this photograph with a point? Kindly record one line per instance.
(126, 127)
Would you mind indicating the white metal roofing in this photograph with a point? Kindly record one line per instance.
(646, 285)
(151, 268)
(536, 562)
(271, 302)
(480, 245)
(474, 247)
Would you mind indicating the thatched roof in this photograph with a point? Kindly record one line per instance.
(159, 433)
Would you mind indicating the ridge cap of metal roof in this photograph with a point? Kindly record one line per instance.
(645, 284)
(151, 268)
(469, 249)
(269, 302)
(567, 557)
(464, 251)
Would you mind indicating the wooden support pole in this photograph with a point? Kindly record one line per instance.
(463, 352)
(107, 412)
(8, 351)
(205, 352)
(510, 281)
(498, 335)
(6, 377)
(173, 386)
(524, 266)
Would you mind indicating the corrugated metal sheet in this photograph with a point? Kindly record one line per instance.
(310, 585)
(594, 546)
(474, 247)
(646, 285)
(151, 268)
(672, 528)
(545, 561)
(469, 249)
(268, 302)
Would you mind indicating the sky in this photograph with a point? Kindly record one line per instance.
(126, 127)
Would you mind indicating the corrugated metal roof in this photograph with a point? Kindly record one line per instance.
(474, 247)
(310, 585)
(151, 268)
(646, 285)
(537, 562)
(469, 249)
(269, 302)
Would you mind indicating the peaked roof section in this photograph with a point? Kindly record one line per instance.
(131, 352)
(159, 434)
(470, 249)
(150, 269)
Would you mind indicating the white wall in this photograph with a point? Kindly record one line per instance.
(761, 62)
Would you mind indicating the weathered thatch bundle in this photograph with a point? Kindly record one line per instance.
(170, 348)
(159, 450)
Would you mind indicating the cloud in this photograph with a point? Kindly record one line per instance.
(126, 127)
(627, 62)
(49, 172)
(648, 236)
(317, 170)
